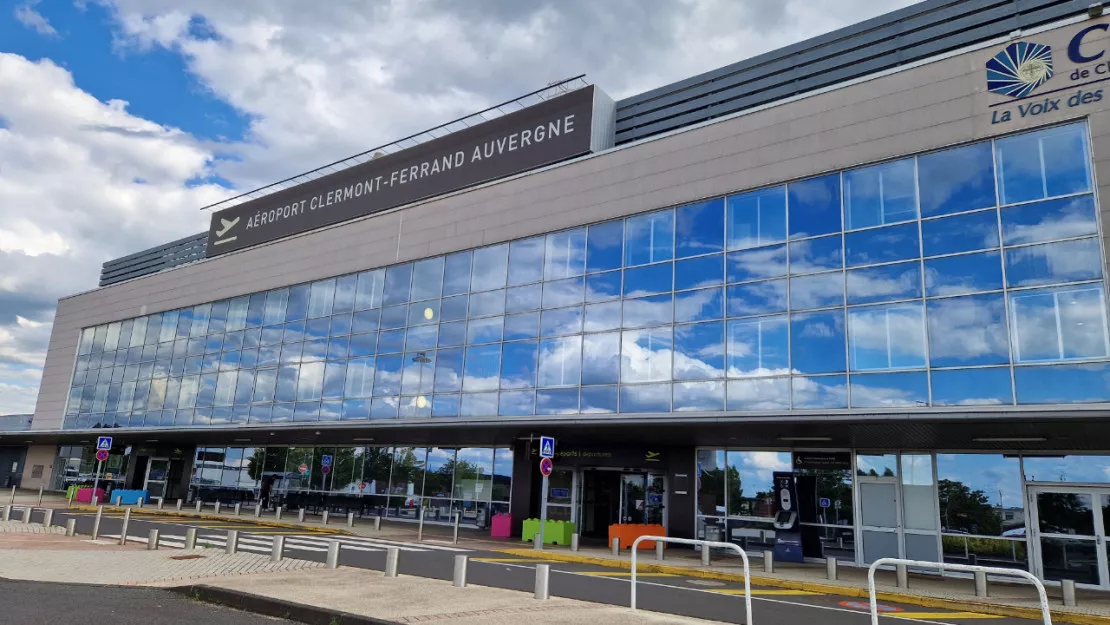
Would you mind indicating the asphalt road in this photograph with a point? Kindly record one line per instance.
(38, 603)
(694, 597)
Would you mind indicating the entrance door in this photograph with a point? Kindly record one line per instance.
(641, 498)
(880, 517)
(157, 474)
(1070, 531)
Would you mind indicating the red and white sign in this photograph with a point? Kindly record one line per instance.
(362, 486)
(303, 469)
(546, 466)
(102, 455)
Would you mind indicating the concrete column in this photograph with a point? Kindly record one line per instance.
(705, 555)
(141, 502)
(830, 568)
(350, 519)
(420, 526)
(71, 527)
(123, 530)
(96, 522)
(7, 513)
(616, 546)
(459, 578)
(26, 518)
(258, 510)
(324, 518)
(903, 575)
(574, 542)
(1067, 586)
(981, 584)
(659, 550)
(537, 544)
(48, 518)
(378, 523)
(458, 520)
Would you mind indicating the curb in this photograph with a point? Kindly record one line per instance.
(828, 589)
(213, 517)
(276, 608)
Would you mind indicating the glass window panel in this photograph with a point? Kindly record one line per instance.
(646, 355)
(286, 383)
(1067, 261)
(980, 494)
(517, 404)
(1063, 384)
(526, 261)
(881, 245)
(445, 406)
(757, 218)
(817, 342)
(601, 317)
(648, 280)
(699, 351)
(956, 275)
(394, 317)
(418, 373)
(601, 359)
(757, 298)
(392, 341)
(490, 268)
(345, 288)
(968, 331)
(371, 287)
(649, 238)
(387, 375)
(814, 255)
(483, 365)
(294, 332)
(701, 305)
(456, 273)
(1059, 324)
(698, 228)
(321, 298)
(646, 398)
(313, 329)
(599, 400)
(153, 329)
(603, 286)
(427, 279)
(522, 326)
(699, 272)
(518, 364)
(560, 361)
(487, 303)
(885, 283)
(449, 370)
(561, 321)
(398, 282)
(355, 409)
(957, 180)
(424, 312)
(168, 329)
(646, 311)
(699, 396)
(310, 382)
(423, 337)
(1044, 163)
(453, 308)
(297, 308)
(365, 321)
(338, 348)
(560, 293)
(604, 246)
(888, 390)
(484, 330)
(521, 298)
(972, 387)
(817, 291)
(759, 394)
(364, 345)
(825, 391)
(886, 337)
(756, 264)
(1064, 218)
(814, 206)
(359, 381)
(335, 374)
(256, 308)
(880, 194)
(962, 233)
(556, 401)
(451, 334)
(758, 347)
(566, 254)
(479, 405)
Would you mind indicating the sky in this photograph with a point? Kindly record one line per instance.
(120, 119)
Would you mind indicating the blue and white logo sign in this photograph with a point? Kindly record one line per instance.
(1019, 69)
(824, 502)
(104, 442)
(325, 460)
(547, 447)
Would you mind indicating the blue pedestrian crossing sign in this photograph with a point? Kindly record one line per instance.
(547, 447)
(104, 442)
(325, 460)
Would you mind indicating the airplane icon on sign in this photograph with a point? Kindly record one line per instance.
(228, 224)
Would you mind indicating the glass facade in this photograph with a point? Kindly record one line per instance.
(388, 481)
(969, 276)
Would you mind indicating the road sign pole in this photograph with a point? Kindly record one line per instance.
(96, 481)
(543, 508)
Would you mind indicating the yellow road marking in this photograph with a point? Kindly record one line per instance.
(939, 615)
(512, 560)
(767, 592)
(620, 574)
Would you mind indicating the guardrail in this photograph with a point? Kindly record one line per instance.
(705, 544)
(942, 566)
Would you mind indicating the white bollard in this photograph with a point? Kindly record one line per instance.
(1067, 586)
(258, 510)
(659, 550)
(199, 504)
(830, 568)
(392, 554)
(141, 502)
(123, 530)
(616, 546)
(277, 552)
(191, 538)
(13, 495)
(543, 575)
(459, 579)
(300, 515)
(95, 500)
(179, 503)
(7, 513)
(238, 509)
(378, 523)
(40, 495)
(232, 545)
(350, 519)
(71, 527)
(161, 503)
(277, 513)
(333, 554)
(96, 522)
(324, 518)
(768, 561)
(706, 556)
(574, 542)
(903, 575)
(152, 540)
(48, 518)
(27, 515)
(217, 506)
(118, 500)
(981, 584)
(537, 543)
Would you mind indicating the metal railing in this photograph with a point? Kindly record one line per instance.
(705, 544)
(941, 566)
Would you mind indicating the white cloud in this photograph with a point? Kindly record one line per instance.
(27, 15)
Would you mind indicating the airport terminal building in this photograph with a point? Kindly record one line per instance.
(871, 264)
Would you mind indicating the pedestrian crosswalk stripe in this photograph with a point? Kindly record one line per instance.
(941, 615)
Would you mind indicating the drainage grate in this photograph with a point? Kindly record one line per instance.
(191, 557)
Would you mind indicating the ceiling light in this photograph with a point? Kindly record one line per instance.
(1010, 439)
(242, 440)
(152, 440)
(805, 438)
(362, 440)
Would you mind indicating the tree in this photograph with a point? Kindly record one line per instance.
(966, 510)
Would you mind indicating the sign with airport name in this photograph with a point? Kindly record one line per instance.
(1053, 72)
(551, 131)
